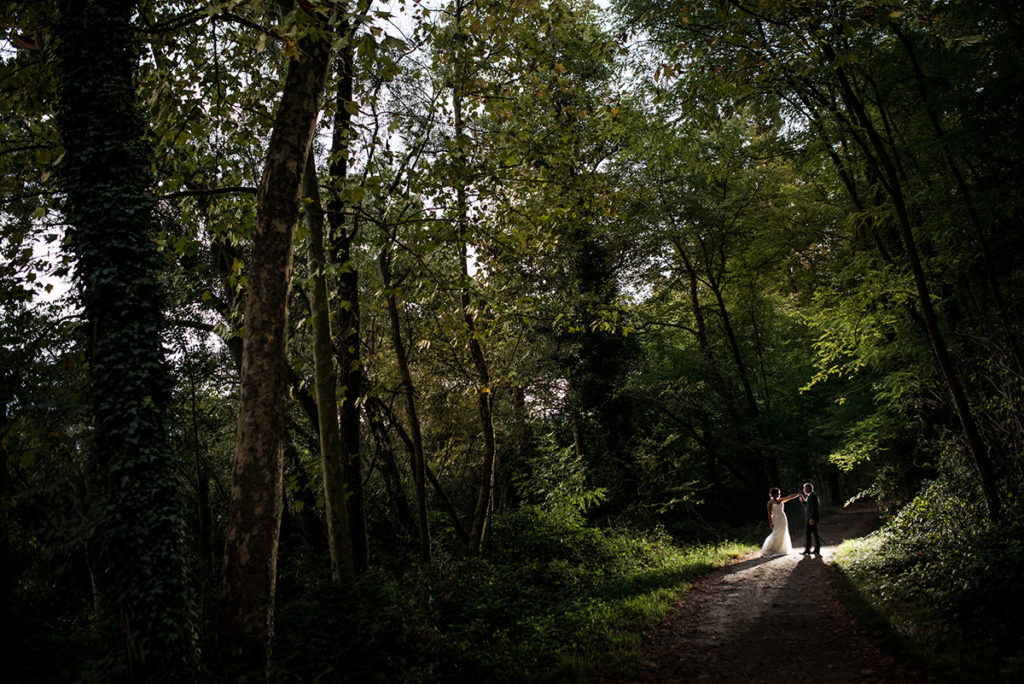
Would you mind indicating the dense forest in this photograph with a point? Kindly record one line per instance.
(345, 340)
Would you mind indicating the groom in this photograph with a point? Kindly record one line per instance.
(810, 502)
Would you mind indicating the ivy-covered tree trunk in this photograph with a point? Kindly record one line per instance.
(246, 608)
(107, 185)
(332, 462)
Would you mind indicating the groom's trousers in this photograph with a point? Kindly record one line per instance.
(812, 530)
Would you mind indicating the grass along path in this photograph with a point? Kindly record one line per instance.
(772, 619)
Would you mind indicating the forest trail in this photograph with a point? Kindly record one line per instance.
(772, 619)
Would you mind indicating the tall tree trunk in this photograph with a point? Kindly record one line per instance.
(246, 609)
(107, 184)
(419, 463)
(488, 463)
(448, 506)
(332, 464)
(314, 527)
(877, 154)
(759, 348)
(204, 513)
(342, 240)
(577, 433)
(485, 490)
(524, 441)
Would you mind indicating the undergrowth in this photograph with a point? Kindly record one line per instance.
(554, 600)
(947, 581)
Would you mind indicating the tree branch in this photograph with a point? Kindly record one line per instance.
(206, 192)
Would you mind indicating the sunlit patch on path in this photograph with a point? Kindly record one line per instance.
(770, 619)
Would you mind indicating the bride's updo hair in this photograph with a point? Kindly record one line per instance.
(774, 492)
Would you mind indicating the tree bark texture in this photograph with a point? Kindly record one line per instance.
(332, 456)
(106, 180)
(248, 585)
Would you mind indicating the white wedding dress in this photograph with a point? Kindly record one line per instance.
(778, 543)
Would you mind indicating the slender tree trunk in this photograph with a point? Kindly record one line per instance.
(409, 391)
(314, 526)
(332, 464)
(734, 347)
(702, 339)
(963, 408)
(347, 337)
(577, 433)
(485, 490)
(768, 458)
(446, 503)
(248, 586)
(878, 154)
(392, 475)
(524, 439)
(759, 347)
(204, 513)
(106, 179)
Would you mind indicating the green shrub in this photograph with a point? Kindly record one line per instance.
(554, 600)
(947, 579)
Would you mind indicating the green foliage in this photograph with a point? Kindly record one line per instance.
(947, 580)
(554, 478)
(554, 601)
(46, 519)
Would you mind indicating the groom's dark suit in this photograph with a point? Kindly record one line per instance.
(811, 520)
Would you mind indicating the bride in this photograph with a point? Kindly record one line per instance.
(778, 542)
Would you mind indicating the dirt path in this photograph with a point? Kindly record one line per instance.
(772, 619)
